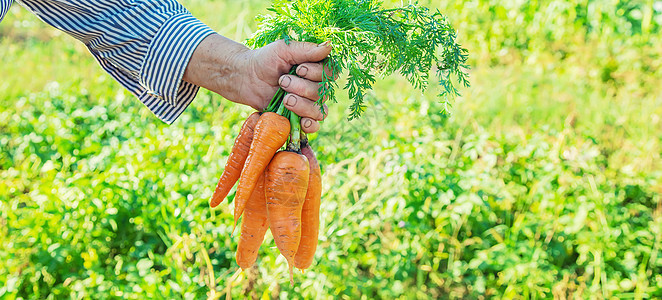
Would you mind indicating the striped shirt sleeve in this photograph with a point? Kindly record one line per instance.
(144, 44)
(4, 7)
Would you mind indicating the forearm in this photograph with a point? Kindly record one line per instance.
(217, 65)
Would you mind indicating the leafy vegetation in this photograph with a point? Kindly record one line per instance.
(369, 39)
(544, 182)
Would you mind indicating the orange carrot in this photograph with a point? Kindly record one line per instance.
(286, 186)
(270, 134)
(310, 218)
(236, 160)
(253, 226)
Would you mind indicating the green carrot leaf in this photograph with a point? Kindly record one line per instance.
(369, 39)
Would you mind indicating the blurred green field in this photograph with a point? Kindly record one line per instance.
(546, 182)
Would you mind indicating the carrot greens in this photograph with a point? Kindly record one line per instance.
(369, 39)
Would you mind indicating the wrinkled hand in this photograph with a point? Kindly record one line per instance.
(252, 77)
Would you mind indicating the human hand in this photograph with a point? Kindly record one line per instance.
(252, 77)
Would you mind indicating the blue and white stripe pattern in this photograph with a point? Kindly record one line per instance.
(4, 7)
(144, 44)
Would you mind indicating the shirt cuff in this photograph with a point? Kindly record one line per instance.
(4, 7)
(164, 65)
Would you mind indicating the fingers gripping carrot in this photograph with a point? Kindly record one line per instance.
(270, 134)
(236, 160)
(286, 186)
(310, 220)
(253, 226)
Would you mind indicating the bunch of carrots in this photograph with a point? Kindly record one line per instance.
(281, 188)
(278, 188)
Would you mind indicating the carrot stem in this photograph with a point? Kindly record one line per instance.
(281, 109)
(304, 140)
(295, 133)
(276, 100)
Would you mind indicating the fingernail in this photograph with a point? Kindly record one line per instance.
(291, 101)
(327, 43)
(307, 123)
(285, 81)
(303, 70)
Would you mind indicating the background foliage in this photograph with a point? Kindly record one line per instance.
(545, 182)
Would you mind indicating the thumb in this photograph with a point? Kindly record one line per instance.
(301, 52)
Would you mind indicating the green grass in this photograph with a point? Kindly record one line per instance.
(545, 182)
